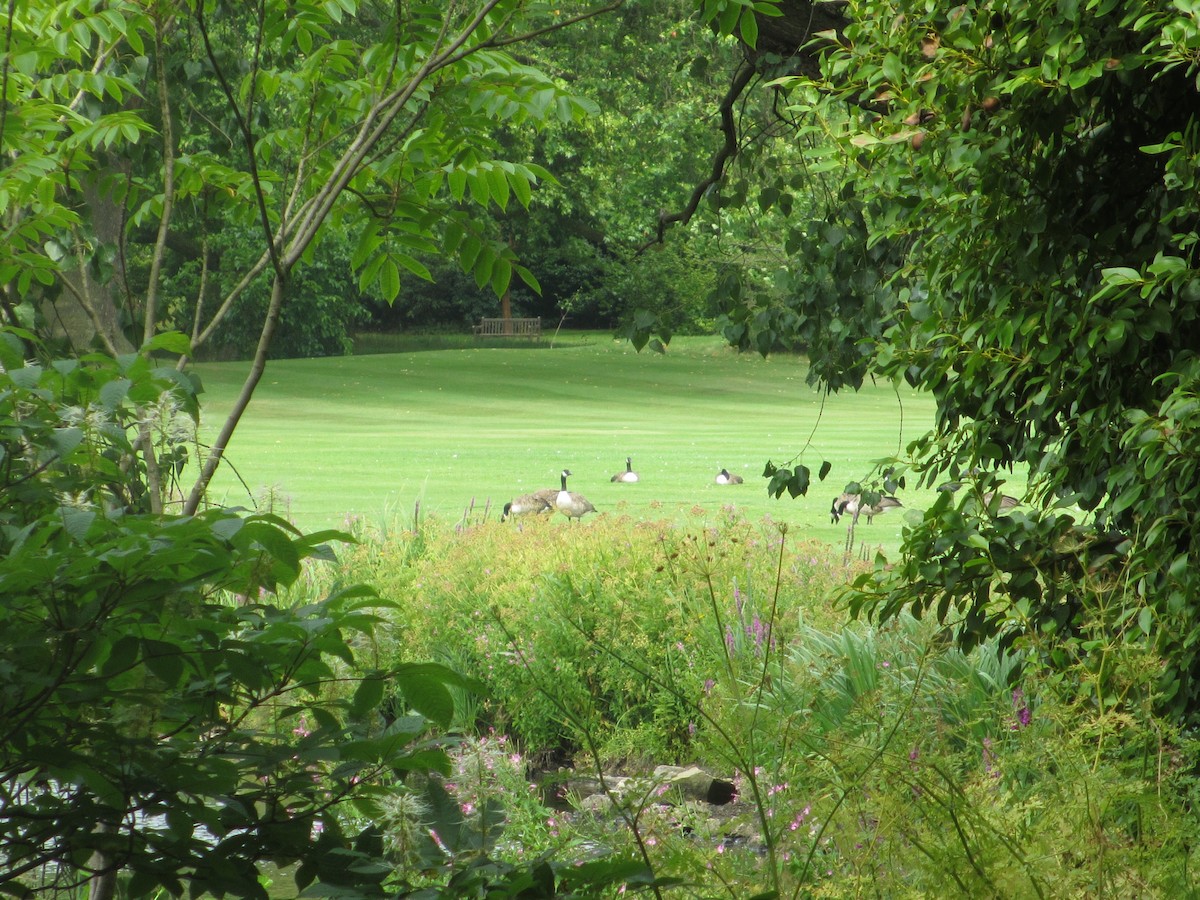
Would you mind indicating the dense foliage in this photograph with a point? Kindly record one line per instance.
(1023, 177)
(166, 713)
(997, 204)
(867, 759)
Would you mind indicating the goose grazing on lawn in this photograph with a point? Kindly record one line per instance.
(570, 504)
(628, 476)
(530, 504)
(723, 477)
(852, 505)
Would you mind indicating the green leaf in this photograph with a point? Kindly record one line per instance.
(256, 534)
(519, 182)
(389, 279)
(798, 484)
(501, 276)
(113, 393)
(164, 660)
(424, 687)
(413, 266)
(530, 281)
(368, 696)
(458, 184)
(77, 521)
(452, 237)
(65, 440)
(169, 342)
(499, 187)
(749, 28)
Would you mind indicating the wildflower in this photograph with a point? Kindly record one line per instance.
(758, 631)
(800, 817)
(301, 729)
(1024, 715)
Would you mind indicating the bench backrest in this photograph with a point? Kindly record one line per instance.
(509, 326)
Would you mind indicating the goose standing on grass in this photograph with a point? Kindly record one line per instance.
(723, 477)
(570, 504)
(530, 504)
(628, 476)
(852, 505)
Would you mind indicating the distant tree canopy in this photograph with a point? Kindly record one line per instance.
(1011, 224)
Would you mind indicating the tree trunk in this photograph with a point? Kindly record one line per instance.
(87, 310)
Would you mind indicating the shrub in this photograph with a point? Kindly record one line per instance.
(597, 629)
(868, 759)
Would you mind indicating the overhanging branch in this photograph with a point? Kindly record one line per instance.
(727, 151)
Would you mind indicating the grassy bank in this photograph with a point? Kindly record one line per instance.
(466, 428)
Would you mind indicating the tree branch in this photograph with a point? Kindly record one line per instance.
(164, 223)
(728, 150)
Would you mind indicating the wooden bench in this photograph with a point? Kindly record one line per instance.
(506, 328)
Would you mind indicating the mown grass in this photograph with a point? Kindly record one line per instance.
(375, 435)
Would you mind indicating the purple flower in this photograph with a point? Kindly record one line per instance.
(1024, 715)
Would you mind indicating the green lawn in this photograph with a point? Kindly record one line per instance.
(371, 435)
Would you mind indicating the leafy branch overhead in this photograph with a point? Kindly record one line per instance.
(375, 125)
(1011, 224)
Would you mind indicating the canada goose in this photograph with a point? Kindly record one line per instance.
(852, 505)
(990, 503)
(530, 504)
(570, 504)
(1003, 502)
(628, 476)
(723, 477)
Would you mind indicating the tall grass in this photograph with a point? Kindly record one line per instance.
(869, 760)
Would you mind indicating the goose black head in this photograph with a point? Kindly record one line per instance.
(837, 509)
